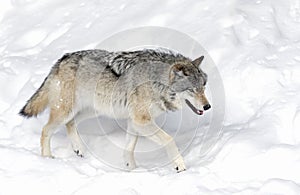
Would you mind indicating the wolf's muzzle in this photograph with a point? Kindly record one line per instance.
(194, 109)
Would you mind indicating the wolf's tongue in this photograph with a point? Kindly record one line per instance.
(197, 111)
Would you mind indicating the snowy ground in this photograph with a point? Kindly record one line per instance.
(254, 44)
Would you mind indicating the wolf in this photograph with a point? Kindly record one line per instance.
(135, 85)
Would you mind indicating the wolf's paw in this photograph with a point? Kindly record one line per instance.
(129, 161)
(130, 165)
(79, 153)
(179, 165)
(48, 156)
(78, 149)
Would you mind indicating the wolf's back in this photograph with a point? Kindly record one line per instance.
(118, 62)
(121, 61)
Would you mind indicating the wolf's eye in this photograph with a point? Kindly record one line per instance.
(190, 90)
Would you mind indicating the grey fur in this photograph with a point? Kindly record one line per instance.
(137, 85)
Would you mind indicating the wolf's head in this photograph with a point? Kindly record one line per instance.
(188, 81)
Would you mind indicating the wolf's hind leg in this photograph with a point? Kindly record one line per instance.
(74, 137)
(72, 132)
(56, 119)
(47, 132)
(131, 140)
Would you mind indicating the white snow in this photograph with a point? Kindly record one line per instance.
(256, 48)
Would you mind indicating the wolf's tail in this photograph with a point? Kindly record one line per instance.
(37, 103)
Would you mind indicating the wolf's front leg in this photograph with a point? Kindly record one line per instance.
(156, 134)
(131, 140)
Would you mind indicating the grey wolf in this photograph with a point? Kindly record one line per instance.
(136, 85)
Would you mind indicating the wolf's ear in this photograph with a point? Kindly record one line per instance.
(198, 61)
(177, 70)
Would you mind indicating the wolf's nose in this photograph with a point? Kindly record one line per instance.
(206, 107)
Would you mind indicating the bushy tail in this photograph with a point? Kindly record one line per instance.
(37, 103)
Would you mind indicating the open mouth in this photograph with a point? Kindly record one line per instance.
(197, 111)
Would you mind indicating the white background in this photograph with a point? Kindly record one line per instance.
(255, 45)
